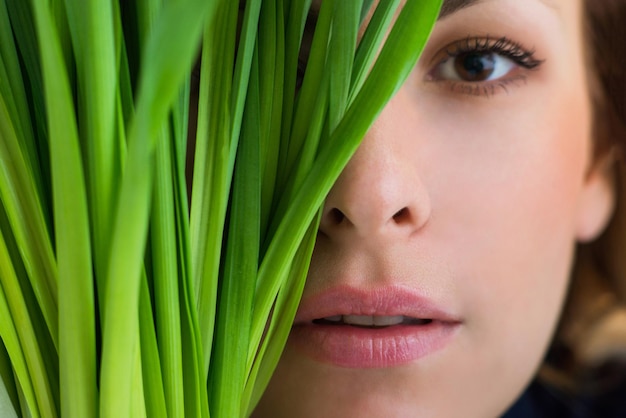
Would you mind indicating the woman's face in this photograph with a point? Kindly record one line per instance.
(443, 257)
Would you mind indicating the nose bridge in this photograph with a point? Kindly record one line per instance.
(380, 192)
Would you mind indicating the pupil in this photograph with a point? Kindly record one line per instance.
(474, 66)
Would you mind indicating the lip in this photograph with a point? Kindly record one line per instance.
(363, 347)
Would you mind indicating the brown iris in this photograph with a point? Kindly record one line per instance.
(474, 66)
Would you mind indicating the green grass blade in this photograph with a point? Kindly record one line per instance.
(59, 17)
(365, 9)
(168, 61)
(266, 360)
(10, 399)
(14, 93)
(24, 211)
(154, 393)
(307, 157)
(228, 370)
(346, 22)
(394, 64)
(180, 123)
(271, 58)
(331, 99)
(13, 114)
(296, 17)
(194, 378)
(22, 22)
(42, 336)
(73, 246)
(165, 279)
(10, 340)
(196, 397)
(370, 43)
(211, 183)
(125, 107)
(224, 105)
(92, 27)
(307, 97)
(19, 330)
(138, 401)
(7, 406)
(147, 12)
(241, 78)
(225, 124)
(121, 328)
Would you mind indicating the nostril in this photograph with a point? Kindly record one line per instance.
(402, 216)
(335, 216)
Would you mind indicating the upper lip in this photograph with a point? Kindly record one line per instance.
(382, 301)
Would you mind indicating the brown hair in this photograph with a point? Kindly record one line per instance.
(589, 351)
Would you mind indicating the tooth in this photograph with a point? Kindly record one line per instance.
(336, 318)
(364, 320)
(383, 321)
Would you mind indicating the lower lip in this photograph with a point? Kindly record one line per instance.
(359, 347)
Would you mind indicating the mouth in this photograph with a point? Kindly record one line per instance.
(371, 321)
(385, 327)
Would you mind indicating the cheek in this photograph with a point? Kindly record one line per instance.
(505, 208)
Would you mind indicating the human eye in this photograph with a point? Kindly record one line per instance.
(483, 66)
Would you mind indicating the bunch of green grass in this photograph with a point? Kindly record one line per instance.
(118, 297)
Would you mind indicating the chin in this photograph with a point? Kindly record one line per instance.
(304, 388)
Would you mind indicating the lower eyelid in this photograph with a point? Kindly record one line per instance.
(485, 89)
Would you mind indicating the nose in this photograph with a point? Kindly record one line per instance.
(380, 193)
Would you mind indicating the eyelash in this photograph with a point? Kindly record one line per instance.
(503, 47)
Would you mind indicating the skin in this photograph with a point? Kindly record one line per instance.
(494, 189)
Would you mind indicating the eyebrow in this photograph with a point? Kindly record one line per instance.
(452, 6)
